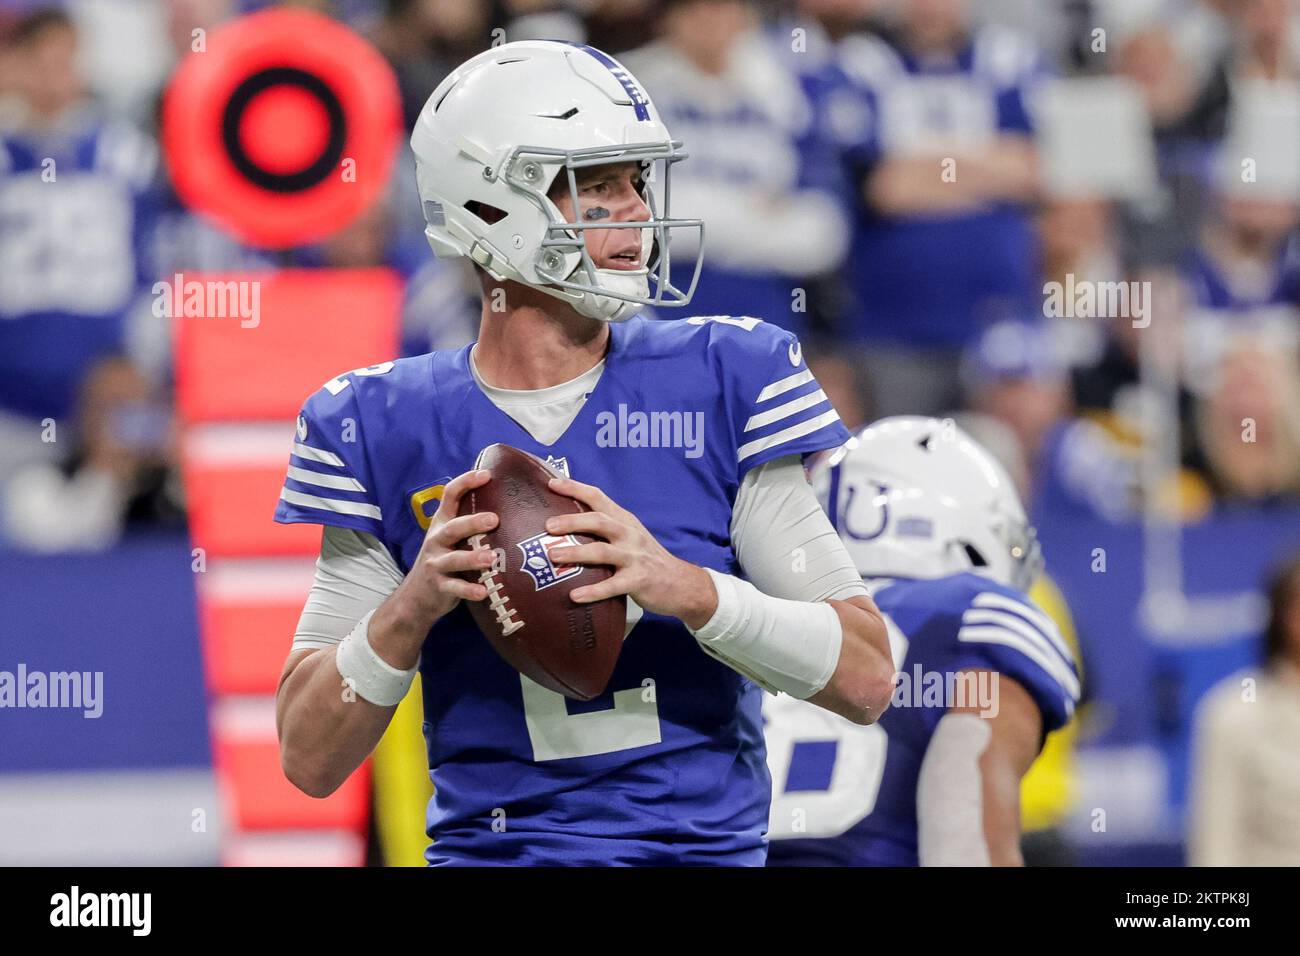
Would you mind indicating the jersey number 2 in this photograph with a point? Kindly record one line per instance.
(556, 734)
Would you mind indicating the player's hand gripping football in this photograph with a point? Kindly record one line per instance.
(434, 583)
(644, 570)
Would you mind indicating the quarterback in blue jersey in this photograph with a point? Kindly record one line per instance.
(547, 165)
(938, 532)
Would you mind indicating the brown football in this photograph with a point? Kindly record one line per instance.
(528, 616)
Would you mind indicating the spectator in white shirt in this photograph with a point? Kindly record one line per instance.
(1246, 785)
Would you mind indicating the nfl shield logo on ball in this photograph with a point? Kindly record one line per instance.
(537, 558)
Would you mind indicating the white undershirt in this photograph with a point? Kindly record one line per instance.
(544, 413)
(775, 518)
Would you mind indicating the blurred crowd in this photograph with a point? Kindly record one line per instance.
(1070, 223)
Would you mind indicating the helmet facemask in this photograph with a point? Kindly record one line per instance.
(1016, 558)
(1025, 553)
(563, 264)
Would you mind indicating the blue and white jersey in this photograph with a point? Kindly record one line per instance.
(73, 222)
(843, 794)
(668, 765)
(933, 279)
(1213, 289)
(1264, 304)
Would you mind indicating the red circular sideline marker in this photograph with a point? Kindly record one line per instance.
(284, 129)
(256, 130)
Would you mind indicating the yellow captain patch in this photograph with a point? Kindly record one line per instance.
(421, 498)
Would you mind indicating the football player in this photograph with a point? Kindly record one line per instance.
(547, 165)
(939, 534)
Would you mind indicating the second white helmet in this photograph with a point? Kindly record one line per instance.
(500, 129)
(918, 497)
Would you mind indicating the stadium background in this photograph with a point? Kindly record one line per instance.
(1094, 142)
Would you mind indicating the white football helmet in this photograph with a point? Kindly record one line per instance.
(917, 497)
(497, 132)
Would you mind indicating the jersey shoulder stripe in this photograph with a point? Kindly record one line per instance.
(786, 410)
(806, 427)
(336, 506)
(788, 404)
(1034, 616)
(308, 453)
(983, 625)
(783, 385)
(773, 400)
(320, 479)
(994, 634)
(335, 491)
(328, 479)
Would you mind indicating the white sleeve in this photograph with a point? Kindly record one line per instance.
(354, 575)
(950, 794)
(784, 540)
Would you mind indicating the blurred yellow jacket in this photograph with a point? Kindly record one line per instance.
(1047, 790)
(402, 785)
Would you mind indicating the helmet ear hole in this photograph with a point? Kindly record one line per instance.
(488, 213)
(973, 554)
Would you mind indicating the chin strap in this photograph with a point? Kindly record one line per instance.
(606, 308)
(609, 309)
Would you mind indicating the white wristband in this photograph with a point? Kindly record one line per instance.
(790, 646)
(367, 673)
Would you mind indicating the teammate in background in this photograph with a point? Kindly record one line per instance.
(938, 533)
(546, 164)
